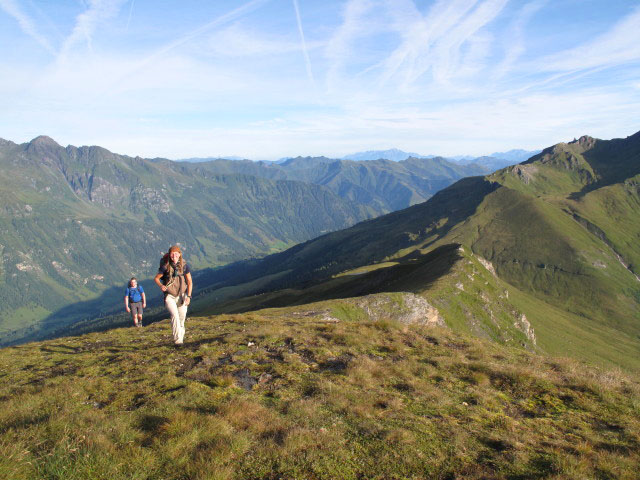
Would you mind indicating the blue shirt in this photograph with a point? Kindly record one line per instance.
(134, 294)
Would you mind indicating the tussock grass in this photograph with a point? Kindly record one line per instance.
(286, 393)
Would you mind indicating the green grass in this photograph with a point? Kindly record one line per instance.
(367, 269)
(559, 332)
(294, 393)
(24, 315)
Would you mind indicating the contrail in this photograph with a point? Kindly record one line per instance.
(304, 45)
(26, 24)
(130, 12)
(227, 17)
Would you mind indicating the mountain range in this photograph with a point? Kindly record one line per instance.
(382, 185)
(491, 162)
(76, 222)
(543, 254)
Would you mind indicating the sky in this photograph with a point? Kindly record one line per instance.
(266, 79)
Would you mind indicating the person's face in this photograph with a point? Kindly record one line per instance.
(134, 283)
(175, 257)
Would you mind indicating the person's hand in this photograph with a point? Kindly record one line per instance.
(187, 301)
(128, 309)
(163, 288)
(144, 305)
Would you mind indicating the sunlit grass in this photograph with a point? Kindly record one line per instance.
(286, 393)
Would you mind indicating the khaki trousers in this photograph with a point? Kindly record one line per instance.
(178, 311)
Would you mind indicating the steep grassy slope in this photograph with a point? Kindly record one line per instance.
(561, 230)
(338, 389)
(463, 292)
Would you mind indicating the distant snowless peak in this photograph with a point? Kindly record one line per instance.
(398, 155)
(392, 154)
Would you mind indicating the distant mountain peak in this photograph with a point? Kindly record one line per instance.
(393, 154)
(44, 141)
(585, 142)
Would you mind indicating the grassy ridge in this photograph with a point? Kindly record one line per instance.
(321, 391)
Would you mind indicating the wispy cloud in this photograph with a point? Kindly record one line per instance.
(217, 22)
(130, 13)
(238, 40)
(340, 47)
(432, 76)
(617, 46)
(304, 45)
(447, 42)
(514, 39)
(27, 25)
(87, 22)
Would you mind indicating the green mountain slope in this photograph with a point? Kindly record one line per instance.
(382, 185)
(76, 221)
(348, 389)
(560, 231)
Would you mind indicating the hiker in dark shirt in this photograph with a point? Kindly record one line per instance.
(135, 301)
(174, 279)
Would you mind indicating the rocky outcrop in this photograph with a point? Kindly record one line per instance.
(404, 307)
(523, 325)
(525, 173)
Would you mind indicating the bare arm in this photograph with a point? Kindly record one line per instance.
(144, 300)
(126, 303)
(159, 283)
(187, 277)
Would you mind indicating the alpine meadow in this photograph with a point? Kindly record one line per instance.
(268, 240)
(446, 325)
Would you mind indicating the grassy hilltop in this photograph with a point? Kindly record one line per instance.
(344, 389)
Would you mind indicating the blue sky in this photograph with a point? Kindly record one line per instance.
(266, 79)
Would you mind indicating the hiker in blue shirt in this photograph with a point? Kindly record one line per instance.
(134, 297)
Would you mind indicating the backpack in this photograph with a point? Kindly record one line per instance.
(131, 290)
(171, 274)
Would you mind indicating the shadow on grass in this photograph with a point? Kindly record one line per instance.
(413, 273)
(614, 161)
(25, 422)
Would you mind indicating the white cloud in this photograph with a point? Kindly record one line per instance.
(303, 44)
(27, 25)
(161, 52)
(240, 41)
(449, 43)
(87, 22)
(478, 127)
(445, 33)
(618, 46)
(514, 38)
(455, 78)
